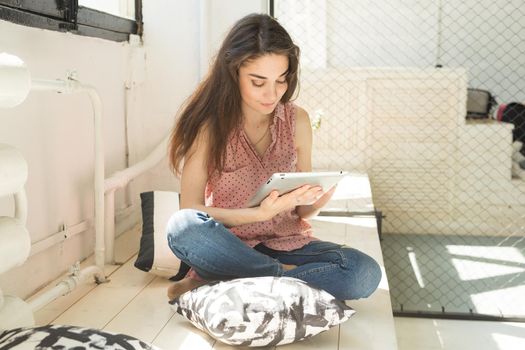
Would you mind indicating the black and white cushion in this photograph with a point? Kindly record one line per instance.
(154, 255)
(68, 337)
(261, 311)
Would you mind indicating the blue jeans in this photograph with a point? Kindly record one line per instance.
(215, 253)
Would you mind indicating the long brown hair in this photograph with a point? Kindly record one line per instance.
(216, 103)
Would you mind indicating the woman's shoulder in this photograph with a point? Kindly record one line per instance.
(298, 119)
(301, 115)
(303, 128)
(290, 109)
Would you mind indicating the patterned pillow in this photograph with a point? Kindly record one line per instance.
(261, 311)
(68, 337)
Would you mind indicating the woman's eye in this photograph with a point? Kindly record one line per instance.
(281, 82)
(257, 83)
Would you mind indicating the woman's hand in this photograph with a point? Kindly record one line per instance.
(308, 211)
(304, 195)
(325, 198)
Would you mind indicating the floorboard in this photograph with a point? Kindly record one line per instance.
(104, 302)
(179, 334)
(135, 302)
(126, 245)
(146, 314)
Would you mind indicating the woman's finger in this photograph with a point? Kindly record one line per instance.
(301, 190)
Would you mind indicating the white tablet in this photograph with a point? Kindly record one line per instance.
(287, 182)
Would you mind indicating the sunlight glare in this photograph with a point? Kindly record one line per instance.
(469, 270)
(506, 342)
(194, 341)
(415, 267)
(511, 254)
(496, 302)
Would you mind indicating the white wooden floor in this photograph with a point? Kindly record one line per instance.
(135, 302)
(431, 334)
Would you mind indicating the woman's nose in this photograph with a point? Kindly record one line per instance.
(271, 92)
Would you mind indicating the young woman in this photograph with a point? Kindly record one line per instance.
(237, 129)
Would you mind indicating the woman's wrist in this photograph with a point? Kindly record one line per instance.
(263, 214)
(307, 211)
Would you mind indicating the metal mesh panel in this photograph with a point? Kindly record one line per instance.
(386, 84)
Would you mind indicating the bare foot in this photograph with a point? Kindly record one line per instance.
(183, 286)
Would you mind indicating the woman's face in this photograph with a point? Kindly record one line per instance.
(262, 83)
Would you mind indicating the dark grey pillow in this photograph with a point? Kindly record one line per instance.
(68, 337)
(261, 311)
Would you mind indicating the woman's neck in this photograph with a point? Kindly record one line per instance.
(255, 124)
(256, 120)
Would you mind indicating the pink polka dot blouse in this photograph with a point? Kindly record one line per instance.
(245, 171)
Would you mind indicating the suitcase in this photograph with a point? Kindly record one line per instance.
(479, 103)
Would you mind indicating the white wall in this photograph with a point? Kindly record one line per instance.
(306, 22)
(55, 132)
(223, 14)
(179, 50)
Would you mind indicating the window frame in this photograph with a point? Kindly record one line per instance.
(68, 16)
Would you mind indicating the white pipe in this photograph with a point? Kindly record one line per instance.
(109, 226)
(16, 72)
(21, 206)
(67, 285)
(122, 178)
(119, 180)
(99, 177)
(104, 218)
(58, 85)
(124, 212)
(69, 86)
(58, 237)
(131, 158)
